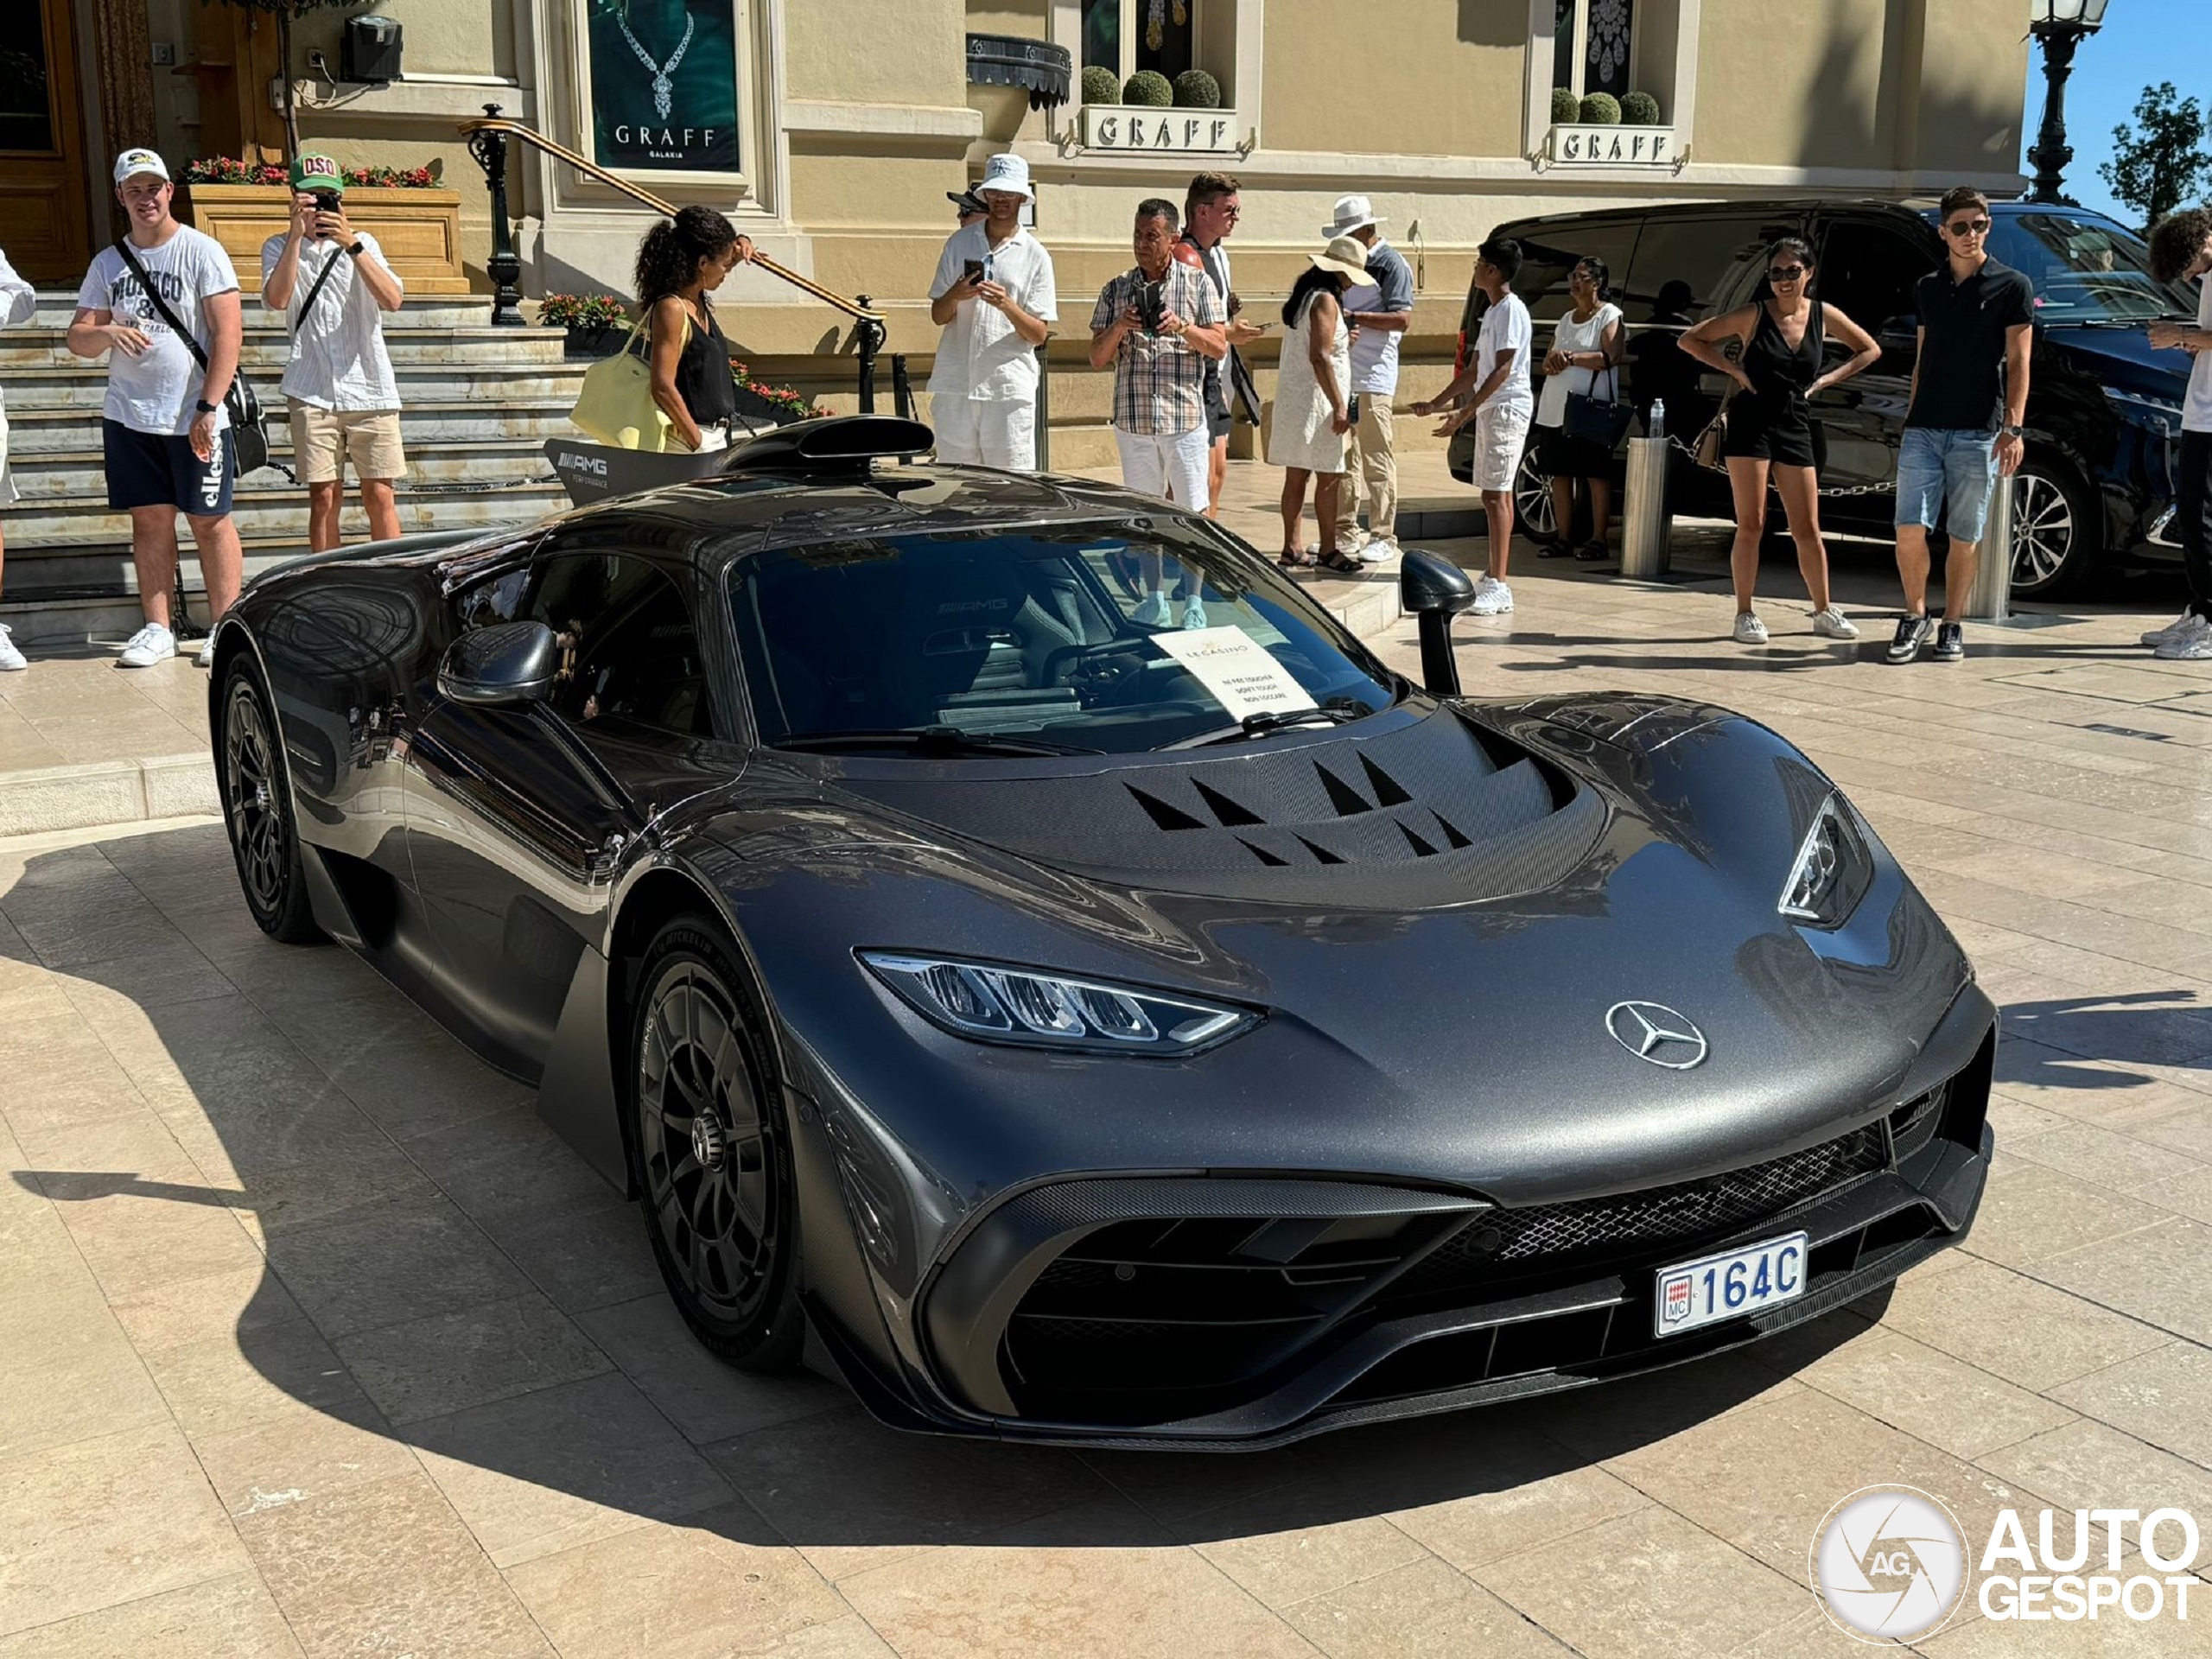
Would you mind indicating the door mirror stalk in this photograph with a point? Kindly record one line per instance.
(1434, 590)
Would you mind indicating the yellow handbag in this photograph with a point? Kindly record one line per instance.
(615, 403)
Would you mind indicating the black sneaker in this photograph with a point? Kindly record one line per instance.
(1951, 642)
(1912, 633)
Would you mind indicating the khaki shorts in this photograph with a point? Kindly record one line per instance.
(323, 439)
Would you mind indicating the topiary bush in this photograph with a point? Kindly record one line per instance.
(1197, 90)
(1566, 106)
(1148, 86)
(1101, 84)
(1602, 110)
(1639, 110)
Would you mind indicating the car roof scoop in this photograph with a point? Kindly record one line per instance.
(835, 443)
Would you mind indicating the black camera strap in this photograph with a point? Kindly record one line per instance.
(315, 292)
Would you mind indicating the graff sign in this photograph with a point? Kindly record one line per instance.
(1180, 132)
(1612, 147)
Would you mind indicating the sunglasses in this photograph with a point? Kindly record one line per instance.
(1785, 273)
(1968, 227)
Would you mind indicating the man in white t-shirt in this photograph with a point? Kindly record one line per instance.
(993, 296)
(165, 434)
(17, 302)
(332, 285)
(2181, 250)
(1500, 406)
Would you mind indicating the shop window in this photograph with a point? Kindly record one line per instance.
(1127, 36)
(1594, 46)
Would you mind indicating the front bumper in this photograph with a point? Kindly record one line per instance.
(1244, 1311)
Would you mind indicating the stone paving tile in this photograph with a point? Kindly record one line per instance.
(449, 1362)
(299, 1455)
(2158, 1275)
(2014, 1328)
(233, 1380)
(2106, 1159)
(2091, 1465)
(705, 1397)
(2163, 1397)
(1285, 1545)
(410, 1261)
(1929, 1394)
(1424, 1609)
(2036, 1214)
(233, 1617)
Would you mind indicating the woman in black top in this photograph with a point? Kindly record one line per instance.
(680, 262)
(1771, 431)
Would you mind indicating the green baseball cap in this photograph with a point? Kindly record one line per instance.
(312, 170)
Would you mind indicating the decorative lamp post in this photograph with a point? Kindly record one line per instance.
(2060, 25)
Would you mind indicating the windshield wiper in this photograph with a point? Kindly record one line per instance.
(929, 739)
(1335, 712)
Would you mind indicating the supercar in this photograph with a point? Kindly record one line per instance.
(1020, 952)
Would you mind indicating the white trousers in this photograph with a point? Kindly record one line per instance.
(1168, 464)
(978, 432)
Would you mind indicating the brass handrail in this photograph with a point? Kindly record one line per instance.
(561, 153)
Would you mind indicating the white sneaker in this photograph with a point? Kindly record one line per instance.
(1152, 612)
(1353, 541)
(2187, 645)
(1492, 597)
(1378, 550)
(2190, 626)
(1833, 624)
(11, 660)
(1194, 612)
(1749, 630)
(2159, 636)
(151, 645)
(206, 657)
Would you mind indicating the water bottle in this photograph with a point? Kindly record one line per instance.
(1658, 424)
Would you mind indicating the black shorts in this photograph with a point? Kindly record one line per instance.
(156, 469)
(1560, 454)
(1787, 440)
(1218, 419)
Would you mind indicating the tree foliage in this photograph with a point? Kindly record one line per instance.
(2161, 162)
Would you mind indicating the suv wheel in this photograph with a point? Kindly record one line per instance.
(2055, 529)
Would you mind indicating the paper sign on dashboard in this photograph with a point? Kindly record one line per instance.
(1237, 669)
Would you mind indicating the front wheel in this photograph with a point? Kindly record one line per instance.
(1533, 513)
(2055, 529)
(257, 810)
(710, 1150)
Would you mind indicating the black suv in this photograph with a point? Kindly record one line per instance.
(2104, 410)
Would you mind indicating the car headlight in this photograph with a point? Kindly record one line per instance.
(1832, 871)
(995, 1004)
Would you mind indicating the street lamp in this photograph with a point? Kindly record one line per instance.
(2060, 25)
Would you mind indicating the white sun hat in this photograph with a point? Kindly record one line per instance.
(1008, 172)
(1353, 212)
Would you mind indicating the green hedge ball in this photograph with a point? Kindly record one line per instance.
(1602, 110)
(1197, 90)
(1639, 110)
(1101, 86)
(1566, 108)
(1150, 87)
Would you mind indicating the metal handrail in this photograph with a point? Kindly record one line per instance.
(482, 134)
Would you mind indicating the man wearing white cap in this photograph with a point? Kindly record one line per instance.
(1381, 308)
(993, 296)
(166, 436)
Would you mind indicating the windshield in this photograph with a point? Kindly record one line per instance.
(2085, 271)
(1116, 637)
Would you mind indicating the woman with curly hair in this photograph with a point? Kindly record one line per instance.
(680, 262)
(2181, 250)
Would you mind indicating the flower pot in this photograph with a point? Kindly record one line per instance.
(418, 230)
(594, 340)
(763, 412)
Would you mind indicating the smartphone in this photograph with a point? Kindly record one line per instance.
(975, 270)
(1352, 408)
(325, 202)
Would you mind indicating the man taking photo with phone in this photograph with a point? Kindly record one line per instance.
(993, 296)
(334, 286)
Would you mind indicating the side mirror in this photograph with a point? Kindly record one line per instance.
(508, 663)
(1434, 590)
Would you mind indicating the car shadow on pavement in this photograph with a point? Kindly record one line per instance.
(426, 1285)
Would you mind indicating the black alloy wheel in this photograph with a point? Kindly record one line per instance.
(257, 812)
(2055, 529)
(710, 1152)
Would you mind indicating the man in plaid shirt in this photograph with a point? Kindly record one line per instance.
(1157, 325)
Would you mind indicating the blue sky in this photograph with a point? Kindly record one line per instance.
(2142, 43)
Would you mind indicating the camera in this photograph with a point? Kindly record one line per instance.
(1151, 303)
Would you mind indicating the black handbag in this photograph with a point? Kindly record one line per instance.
(1599, 420)
(249, 434)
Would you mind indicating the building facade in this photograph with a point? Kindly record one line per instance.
(831, 129)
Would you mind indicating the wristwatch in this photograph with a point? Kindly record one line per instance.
(356, 249)
(203, 406)
(2013, 431)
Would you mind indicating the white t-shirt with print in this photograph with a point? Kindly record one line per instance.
(338, 359)
(1505, 331)
(155, 392)
(2197, 404)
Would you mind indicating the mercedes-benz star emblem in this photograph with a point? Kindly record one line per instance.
(1654, 1031)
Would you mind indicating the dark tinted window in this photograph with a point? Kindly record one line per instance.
(2084, 270)
(629, 650)
(1868, 270)
(1681, 264)
(1548, 256)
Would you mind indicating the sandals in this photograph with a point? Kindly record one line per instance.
(1296, 558)
(1554, 547)
(1592, 551)
(1337, 559)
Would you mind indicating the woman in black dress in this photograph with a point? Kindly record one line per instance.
(1770, 429)
(680, 262)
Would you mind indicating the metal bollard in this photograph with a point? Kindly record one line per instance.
(1646, 524)
(1991, 601)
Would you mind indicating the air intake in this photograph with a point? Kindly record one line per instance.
(835, 443)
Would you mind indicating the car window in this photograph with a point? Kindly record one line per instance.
(1867, 271)
(495, 599)
(1683, 265)
(1067, 634)
(2085, 271)
(629, 650)
(1549, 254)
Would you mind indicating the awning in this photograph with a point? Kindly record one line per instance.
(1011, 60)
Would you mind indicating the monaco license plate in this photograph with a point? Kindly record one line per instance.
(1726, 1287)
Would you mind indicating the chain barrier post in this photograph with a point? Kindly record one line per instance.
(869, 333)
(1043, 430)
(1647, 526)
(505, 266)
(902, 389)
(1991, 598)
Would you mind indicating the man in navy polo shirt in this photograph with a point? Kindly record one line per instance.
(1963, 429)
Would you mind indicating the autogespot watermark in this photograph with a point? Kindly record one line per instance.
(1890, 1565)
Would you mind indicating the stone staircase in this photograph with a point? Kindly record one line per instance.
(478, 404)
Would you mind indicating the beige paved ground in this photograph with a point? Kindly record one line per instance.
(312, 1340)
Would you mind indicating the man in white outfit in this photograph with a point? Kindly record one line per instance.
(1381, 309)
(1500, 405)
(993, 296)
(17, 302)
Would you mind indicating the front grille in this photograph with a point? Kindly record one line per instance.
(1586, 1233)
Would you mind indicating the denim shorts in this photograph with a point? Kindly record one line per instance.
(1947, 468)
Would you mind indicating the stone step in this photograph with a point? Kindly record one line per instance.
(265, 350)
(83, 386)
(56, 430)
(57, 308)
(61, 475)
(44, 535)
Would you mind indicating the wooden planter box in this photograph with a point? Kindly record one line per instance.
(418, 230)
